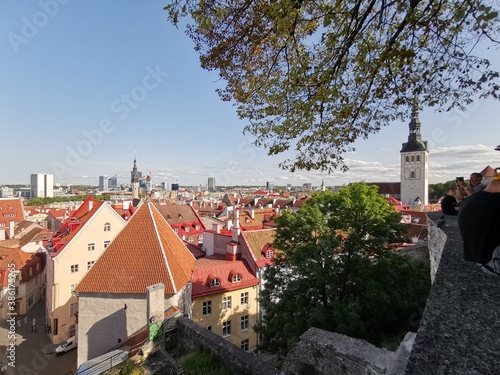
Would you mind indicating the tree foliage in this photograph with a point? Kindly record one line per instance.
(335, 270)
(438, 190)
(314, 76)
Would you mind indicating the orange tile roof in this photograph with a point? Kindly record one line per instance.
(145, 252)
(13, 256)
(216, 266)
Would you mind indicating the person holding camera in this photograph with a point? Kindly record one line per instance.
(475, 185)
(479, 224)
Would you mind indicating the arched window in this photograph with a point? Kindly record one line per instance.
(412, 174)
(214, 283)
(418, 157)
(107, 227)
(413, 158)
(407, 158)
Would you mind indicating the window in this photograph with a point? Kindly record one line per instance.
(412, 174)
(418, 157)
(56, 327)
(197, 227)
(207, 308)
(30, 272)
(244, 298)
(176, 230)
(106, 244)
(226, 302)
(187, 229)
(412, 158)
(244, 323)
(74, 268)
(269, 254)
(37, 242)
(245, 344)
(107, 227)
(214, 283)
(236, 278)
(90, 264)
(407, 159)
(91, 246)
(31, 301)
(190, 239)
(200, 238)
(72, 330)
(209, 328)
(73, 309)
(226, 329)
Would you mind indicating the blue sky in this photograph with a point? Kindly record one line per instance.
(85, 85)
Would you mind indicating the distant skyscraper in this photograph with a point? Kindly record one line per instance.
(113, 182)
(211, 183)
(42, 185)
(103, 183)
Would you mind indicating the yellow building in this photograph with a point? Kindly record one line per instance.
(70, 255)
(225, 299)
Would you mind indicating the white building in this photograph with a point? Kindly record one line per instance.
(414, 166)
(42, 185)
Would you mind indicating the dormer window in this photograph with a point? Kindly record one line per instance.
(176, 230)
(269, 254)
(107, 227)
(187, 228)
(237, 278)
(197, 227)
(214, 283)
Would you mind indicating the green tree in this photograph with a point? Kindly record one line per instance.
(314, 76)
(438, 190)
(335, 271)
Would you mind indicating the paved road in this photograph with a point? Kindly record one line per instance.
(34, 353)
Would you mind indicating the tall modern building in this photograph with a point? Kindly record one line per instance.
(103, 183)
(414, 166)
(113, 182)
(211, 183)
(42, 185)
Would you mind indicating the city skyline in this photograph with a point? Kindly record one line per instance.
(83, 91)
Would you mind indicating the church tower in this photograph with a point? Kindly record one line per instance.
(414, 166)
(135, 181)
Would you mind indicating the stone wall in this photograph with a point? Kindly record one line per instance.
(322, 352)
(192, 336)
(459, 330)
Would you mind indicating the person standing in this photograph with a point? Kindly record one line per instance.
(475, 185)
(479, 224)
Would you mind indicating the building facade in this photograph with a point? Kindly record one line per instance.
(414, 166)
(70, 255)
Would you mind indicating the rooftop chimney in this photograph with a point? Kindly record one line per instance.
(216, 228)
(236, 227)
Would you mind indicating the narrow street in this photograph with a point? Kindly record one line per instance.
(34, 353)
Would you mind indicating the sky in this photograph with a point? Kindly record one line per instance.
(86, 86)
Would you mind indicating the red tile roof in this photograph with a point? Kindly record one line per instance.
(145, 252)
(21, 260)
(73, 225)
(216, 266)
(11, 209)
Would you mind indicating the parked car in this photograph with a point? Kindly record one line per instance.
(66, 346)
